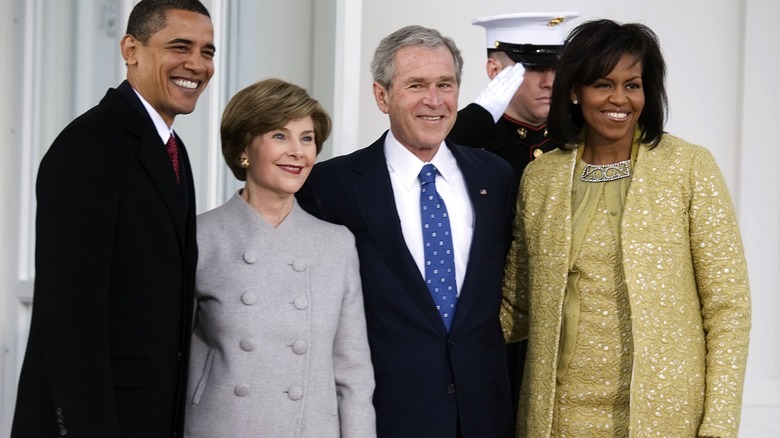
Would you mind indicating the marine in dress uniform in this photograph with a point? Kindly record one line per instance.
(513, 140)
(509, 117)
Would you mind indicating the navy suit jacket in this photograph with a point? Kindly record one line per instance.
(426, 378)
(115, 264)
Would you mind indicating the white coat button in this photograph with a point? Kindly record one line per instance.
(249, 298)
(247, 344)
(299, 346)
(301, 303)
(242, 390)
(299, 265)
(295, 393)
(250, 257)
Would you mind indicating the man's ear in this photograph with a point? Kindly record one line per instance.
(129, 46)
(493, 67)
(381, 95)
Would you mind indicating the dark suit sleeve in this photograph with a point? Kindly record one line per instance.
(505, 178)
(77, 212)
(474, 127)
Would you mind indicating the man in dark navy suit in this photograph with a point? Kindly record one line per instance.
(115, 250)
(440, 366)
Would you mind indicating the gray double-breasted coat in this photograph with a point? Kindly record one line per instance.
(280, 347)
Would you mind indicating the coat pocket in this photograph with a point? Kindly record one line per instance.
(204, 377)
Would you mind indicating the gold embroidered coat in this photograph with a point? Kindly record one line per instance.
(687, 283)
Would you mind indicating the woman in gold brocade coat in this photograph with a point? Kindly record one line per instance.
(627, 272)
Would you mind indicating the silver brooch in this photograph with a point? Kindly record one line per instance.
(606, 172)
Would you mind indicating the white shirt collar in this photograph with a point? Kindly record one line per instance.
(163, 130)
(407, 166)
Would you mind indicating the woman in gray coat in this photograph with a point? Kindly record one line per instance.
(279, 347)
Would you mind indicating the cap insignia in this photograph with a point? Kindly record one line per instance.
(556, 21)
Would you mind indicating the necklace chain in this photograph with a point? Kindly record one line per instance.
(597, 173)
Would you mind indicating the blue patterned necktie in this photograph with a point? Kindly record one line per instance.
(437, 242)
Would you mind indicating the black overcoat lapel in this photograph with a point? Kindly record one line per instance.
(151, 154)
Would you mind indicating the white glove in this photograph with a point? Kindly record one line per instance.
(496, 96)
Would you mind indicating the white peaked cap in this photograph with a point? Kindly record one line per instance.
(539, 28)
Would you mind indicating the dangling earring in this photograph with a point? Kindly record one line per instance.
(575, 101)
(244, 162)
